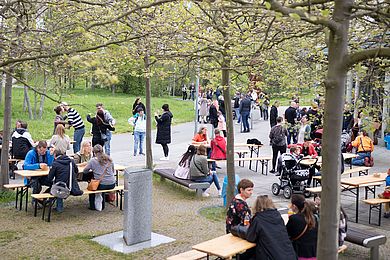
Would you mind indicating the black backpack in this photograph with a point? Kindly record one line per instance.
(253, 141)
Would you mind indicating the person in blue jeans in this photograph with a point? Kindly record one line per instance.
(199, 170)
(139, 130)
(245, 109)
(107, 118)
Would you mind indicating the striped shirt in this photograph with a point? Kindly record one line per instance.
(75, 119)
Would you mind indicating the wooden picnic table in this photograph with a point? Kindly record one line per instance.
(308, 161)
(354, 183)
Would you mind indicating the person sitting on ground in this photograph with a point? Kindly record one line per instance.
(99, 128)
(38, 158)
(308, 148)
(365, 147)
(83, 156)
(60, 140)
(238, 208)
(199, 171)
(102, 167)
(266, 223)
(218, 148)
(183, 169)
(302, 227)
(62, 167)
(59, 119)
(201, 136)
(22, 142)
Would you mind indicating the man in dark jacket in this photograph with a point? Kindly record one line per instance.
(347, 119)
(62, 167)
(245, 109)
(22, 142)
(278, 141)
(291, 115)
(273, 114)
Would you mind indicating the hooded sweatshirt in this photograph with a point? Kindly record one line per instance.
(22, 142)
(60, 171)
(268, 231)
(218, 148)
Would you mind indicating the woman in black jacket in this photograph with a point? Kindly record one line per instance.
(99, 128)
(164, 130)
(268, 231)
(273, 114)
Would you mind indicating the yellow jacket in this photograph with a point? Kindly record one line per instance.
(365, 145)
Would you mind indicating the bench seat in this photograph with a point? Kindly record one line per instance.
(21, 190)
(362, 170)
(48, 200)
(375, 205)
(367, 239)
(168, 174)
(189, 255)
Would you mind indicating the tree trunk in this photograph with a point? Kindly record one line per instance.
(230, 131)
(348, 97)
(386, 104)
(7, 129)
(148, 94)
(357, 92)
(27, 102)
(2, 83)
(42, 96)
(334, 101)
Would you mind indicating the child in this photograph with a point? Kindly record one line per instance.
(221, 123)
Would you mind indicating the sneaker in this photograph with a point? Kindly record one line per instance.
(220, 193)
(164, 159)
(367, 161)
(205, 194)
(141, 154)
(386, 215)
(272, 171)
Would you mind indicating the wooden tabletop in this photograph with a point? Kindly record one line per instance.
(32, 173)
(224, 246)
(311, 161)
(360, 180)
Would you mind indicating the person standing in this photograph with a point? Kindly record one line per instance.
(138, 104)
(163, 137)
(59, 119)
(75, 120)
(139, 131)
(245, 109)
(184, 91)
(110, 120)
(236, 106)
(265, 107)
(277, 136)
(203, 109)
(291, 115)
(273, 114)
(213, 114)
(99, 128)
(304, 131)
(221, 104)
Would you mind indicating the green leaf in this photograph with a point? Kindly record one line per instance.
(325, 12)
(295, 16)
(267, 5)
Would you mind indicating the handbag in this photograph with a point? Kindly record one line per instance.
(94, 184)
(60, 189)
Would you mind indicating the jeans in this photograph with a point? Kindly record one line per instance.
(210, 179)
(100, 187)
(360, 159)
(245, 118)
(138, 139)
(291, 134)
(238, 116)
(107, 144)
(265, 113)
(78, 137)
(60, 205)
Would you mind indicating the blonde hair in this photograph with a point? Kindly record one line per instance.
(60, 130)
(262, 203)
(83, 144)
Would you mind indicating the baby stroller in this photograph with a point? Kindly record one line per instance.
(292, 178)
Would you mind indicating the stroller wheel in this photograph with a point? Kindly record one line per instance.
(287, 191)
(275, 189)
(307, 194)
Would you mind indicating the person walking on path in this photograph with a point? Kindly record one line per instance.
(110, 120)
(75, 120)
(163, 137)
(291, 115)
(139, 131)
(273, 114)
(277, 136)
(245, 109)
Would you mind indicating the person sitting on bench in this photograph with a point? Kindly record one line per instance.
(199, 171)
(201, 136)
(22, 142)
(83, 156)
(365, 147)
(183, 169)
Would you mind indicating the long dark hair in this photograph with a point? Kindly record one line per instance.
(187, 156)
(305, 208)
(100, 118)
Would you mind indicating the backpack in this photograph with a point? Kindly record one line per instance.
(278, 136)
(253, 141)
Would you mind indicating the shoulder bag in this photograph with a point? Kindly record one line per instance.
(300, 235)
(94, 184)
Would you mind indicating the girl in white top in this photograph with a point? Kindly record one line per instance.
(60, 140)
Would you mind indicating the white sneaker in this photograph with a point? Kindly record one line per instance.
(205, 194)
(164, 159)
(220, 193)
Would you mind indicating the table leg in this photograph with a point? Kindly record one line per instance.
(26, 198)
(357, 204)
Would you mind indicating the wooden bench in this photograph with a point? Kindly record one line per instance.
(376, 204)
(21, 190)
(189, 255)
(48, 200)
(367, 239)
(362, 170)
(168, 174)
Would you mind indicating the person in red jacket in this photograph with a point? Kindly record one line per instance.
(218, 148)
(308, 148)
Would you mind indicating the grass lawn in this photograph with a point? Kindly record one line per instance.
(119, 104)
